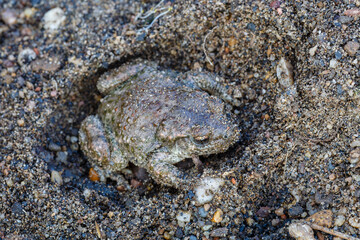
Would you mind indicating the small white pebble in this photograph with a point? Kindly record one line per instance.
(355, 143)
(53, 19)
(9, 182)
(56, 177)
(333, 63)
(313, 50)
(183, 217)
(339, 220)
(284, 72)
(87, 193)
(301, 231)
(354, 222)
(204, 192)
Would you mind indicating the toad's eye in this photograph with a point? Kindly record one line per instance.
(201, 140)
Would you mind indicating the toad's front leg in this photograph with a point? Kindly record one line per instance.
(168, 174)
(102, 149)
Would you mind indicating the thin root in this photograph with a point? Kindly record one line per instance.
(331, 231)
(204, 46)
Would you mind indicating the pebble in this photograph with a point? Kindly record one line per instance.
(279, 211)
(20, 81)
(93, 175)
(355, 143)
(73, 139)
(301, 231)
(9, 16)
(28, 13)
(9, 182)
(351, 47)
(26, 56)
(54, 147)
(207, 207)
(21, 122)
(53, 19)
(87, 193)
(332, 177)
(179, 233)
(345, 19)
(207, 188)
(17, 209)
(183, 217)
(313, 50)
(333, 63)
(323, 218)
(56, 177)
(339, 220)
(295, 211)
(206, 227)
(354, 222)
(53, 93)
(250, 221)
(338, 55)
(263, 212)
(354, 156)
(219, 232)
(50, 64)
(217, 216)
(202, 212)
(135, 183)
(192, 237)
(275, 222)
(284, 73)
(61, 157)
(74, 146)
(167, 235)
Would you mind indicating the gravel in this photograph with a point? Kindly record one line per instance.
(298, 154)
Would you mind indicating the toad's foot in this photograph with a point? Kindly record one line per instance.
(117, 177)
(168, 174)
(199, 165)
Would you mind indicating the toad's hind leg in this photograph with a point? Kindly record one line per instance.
(166, 173)
(208, 83)
(100, 146)
(115, 77)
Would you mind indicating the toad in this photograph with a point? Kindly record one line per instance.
(155, 118)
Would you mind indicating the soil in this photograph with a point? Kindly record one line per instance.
(300, 147)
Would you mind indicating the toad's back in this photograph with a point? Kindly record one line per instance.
(136, 109)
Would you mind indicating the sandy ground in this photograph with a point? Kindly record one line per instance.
(300, 147)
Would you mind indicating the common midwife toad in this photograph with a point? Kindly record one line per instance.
(155, 118)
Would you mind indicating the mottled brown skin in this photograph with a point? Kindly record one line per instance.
(155, 119)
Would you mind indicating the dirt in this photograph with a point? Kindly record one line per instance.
(299, 151)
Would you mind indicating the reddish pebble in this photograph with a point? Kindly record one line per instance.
(135, 183)
(120, 188)
(233, 181)
(93, 175)
(36, 51)
(38, 89)
(275, 4)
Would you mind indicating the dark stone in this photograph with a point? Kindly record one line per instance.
(192, 237)
(17, 209)
(179, 233)
(263, 212)
(295, 211)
